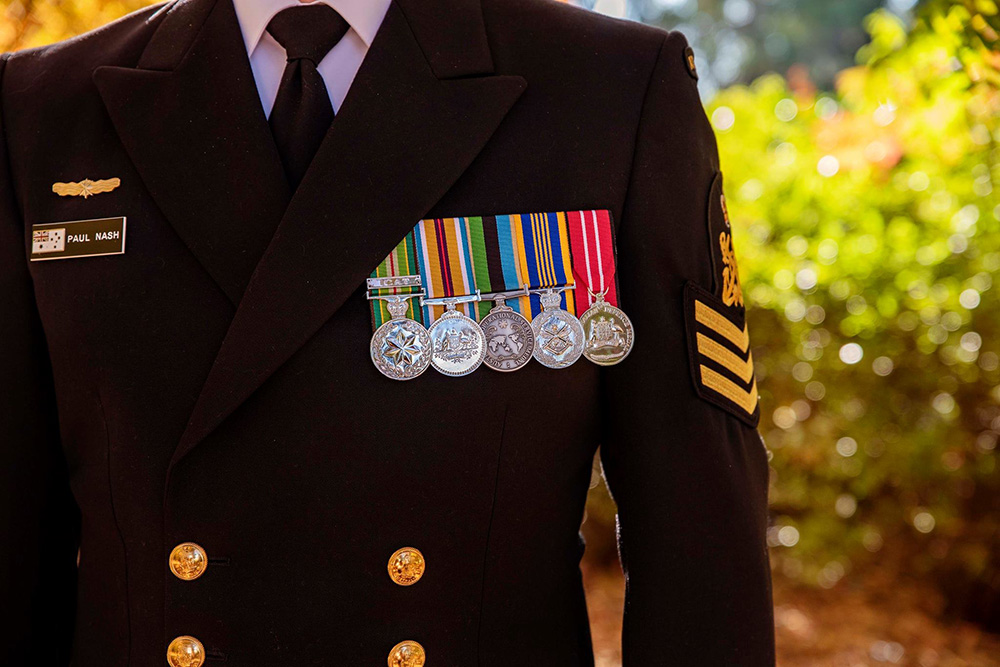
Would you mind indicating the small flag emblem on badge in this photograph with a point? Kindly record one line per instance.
(48, 240)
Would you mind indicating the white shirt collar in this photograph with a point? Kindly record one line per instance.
(364, 16)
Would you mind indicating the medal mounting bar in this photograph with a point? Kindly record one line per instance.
(557, 289)
(396, 297)
(451, 301)
(397, 303)
(503, 296)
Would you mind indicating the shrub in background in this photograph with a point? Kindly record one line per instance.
(868, 227)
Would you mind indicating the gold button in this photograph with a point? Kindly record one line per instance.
(407, 654)
(185, 652)
(188, 561)
(406, 566)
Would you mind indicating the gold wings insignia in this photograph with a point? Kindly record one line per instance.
(85, 188)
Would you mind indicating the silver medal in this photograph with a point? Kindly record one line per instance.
(401, 348)
(558, 334)
(509, 338)
(609, 332)
(457, 342)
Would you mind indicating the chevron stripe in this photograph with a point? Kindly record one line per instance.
(721, 325)
(747, 400)
(726, 358)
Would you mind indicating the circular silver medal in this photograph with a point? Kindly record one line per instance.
(401, 348)
(509, 338)
(609, 333)
(558, 334)
(457, 342)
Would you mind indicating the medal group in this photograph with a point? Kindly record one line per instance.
(481, 263)
(504, 340)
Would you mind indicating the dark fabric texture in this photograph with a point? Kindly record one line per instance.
(302, 111)
(212, 384)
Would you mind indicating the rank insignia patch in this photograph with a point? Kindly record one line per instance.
(719, 352)
(725, 273)
(732, 293)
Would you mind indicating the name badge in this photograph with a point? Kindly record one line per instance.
(77, 238)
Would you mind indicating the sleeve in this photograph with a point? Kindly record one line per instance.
(39, 517)
(680, 450)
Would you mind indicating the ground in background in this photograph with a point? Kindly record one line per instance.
(873, 621)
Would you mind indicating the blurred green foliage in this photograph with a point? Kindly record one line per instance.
(739, 40)
(868, 226)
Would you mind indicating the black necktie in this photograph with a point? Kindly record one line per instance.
(302, 112)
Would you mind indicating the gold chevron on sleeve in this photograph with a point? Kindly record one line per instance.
(726, 358)
(721, 325)
(746, 399)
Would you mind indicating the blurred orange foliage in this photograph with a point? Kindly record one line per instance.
(28, 23)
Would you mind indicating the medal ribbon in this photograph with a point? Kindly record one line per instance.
(402, 261)
(445, 261)
(593, 250)
(456, 256)
(545, 255)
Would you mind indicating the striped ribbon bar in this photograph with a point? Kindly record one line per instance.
(402, 261)
(455, 257)
(592, 246)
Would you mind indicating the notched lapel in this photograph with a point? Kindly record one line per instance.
(401, 139)
(191, 120)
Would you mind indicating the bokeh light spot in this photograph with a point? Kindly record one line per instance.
(784, 417)
(884, 114)
(851, 353)
(828, 166)
(969, 299)
(924, 521)
(846, 505)
(788, 536)
(786, 110)
(723, 119)
(882, 366)
(847, 446)
(943, 402)
(826, 108)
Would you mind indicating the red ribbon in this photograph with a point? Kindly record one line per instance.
(593, 251)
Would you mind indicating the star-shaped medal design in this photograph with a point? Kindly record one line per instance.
(402, 347)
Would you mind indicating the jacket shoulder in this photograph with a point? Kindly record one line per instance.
(556, 25)
(562, 42)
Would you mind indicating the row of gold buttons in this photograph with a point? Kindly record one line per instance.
(188, 561)
(406, 566)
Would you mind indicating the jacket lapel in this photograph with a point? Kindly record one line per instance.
(191, 120)
(402, 137)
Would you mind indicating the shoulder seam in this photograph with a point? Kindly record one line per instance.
(638, 125)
